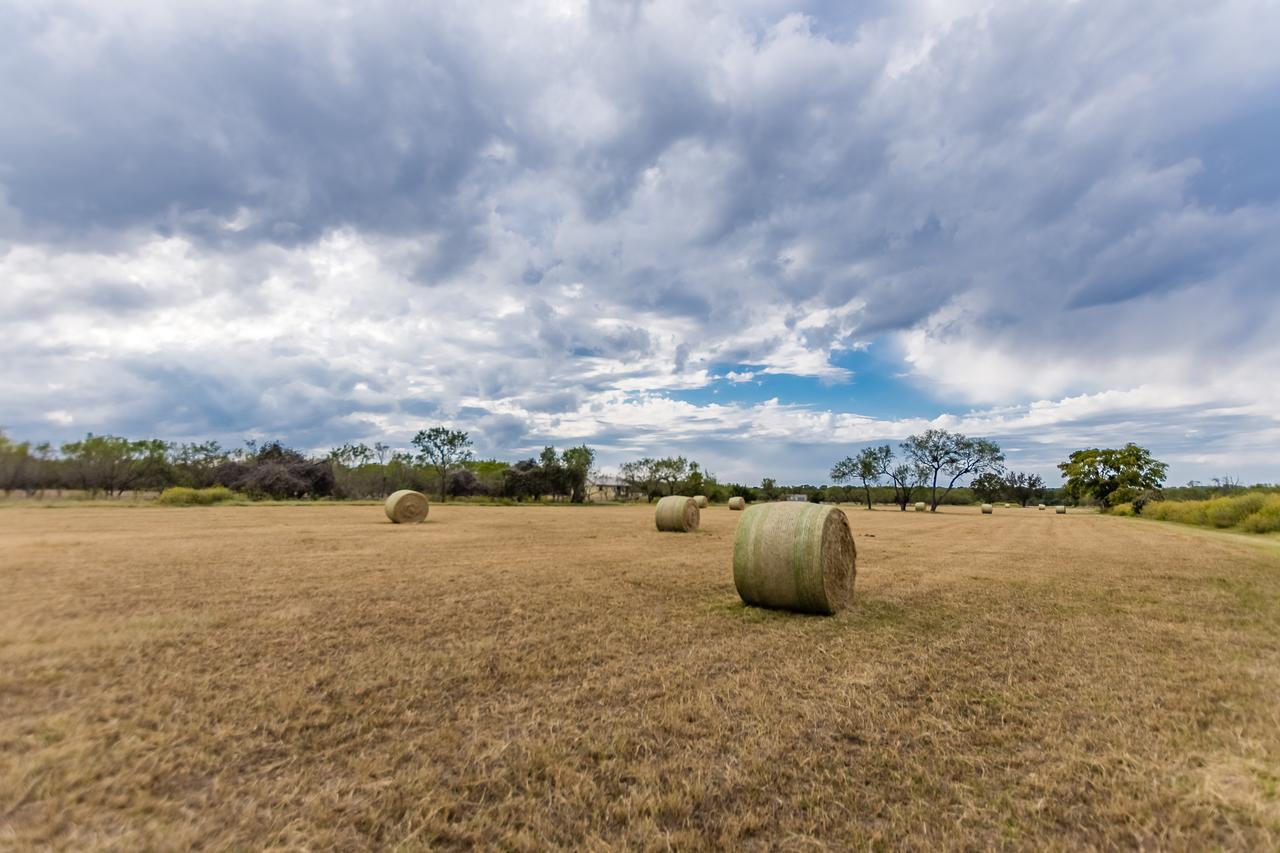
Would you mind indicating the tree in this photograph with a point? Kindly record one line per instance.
(988, 487)
(196, 464)
(639, 475)
(906, 479)
(112, 464)
(1112, 475)
(578, 463)
(769, 489)
(442, 448)
(1023, 488)
(868, 466)
(939, 454)
(671, 471)
(16, 464)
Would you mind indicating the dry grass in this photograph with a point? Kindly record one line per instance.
(534, 677)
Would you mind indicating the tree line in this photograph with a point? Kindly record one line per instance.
(440, 462)
(930, 465)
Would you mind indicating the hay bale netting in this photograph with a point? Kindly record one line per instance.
(407, 507)
(737, 503)
(920, 506)
(987, 509)
(677, 514)
(1060, 509)
(701, 501)
(794, 556)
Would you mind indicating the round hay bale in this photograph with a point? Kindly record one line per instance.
(987, 509)
(677, 514)
(921, 506)
(795, 556)
(407, 507)
(737, 503)
(1060, 509)
(701, 501)
(1040, 507)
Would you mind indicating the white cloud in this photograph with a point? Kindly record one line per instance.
(1056, 214)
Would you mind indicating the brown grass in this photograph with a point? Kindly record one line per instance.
(535, 677)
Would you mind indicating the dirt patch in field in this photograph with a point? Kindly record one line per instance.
(563, 676)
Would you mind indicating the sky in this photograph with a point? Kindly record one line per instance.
(759, 234)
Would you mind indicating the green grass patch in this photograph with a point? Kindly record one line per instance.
(183, 496)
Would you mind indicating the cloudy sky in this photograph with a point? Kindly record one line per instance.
(762, 234)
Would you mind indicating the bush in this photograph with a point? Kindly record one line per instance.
(183, 496)
(1255, 512)
(1123, 509)
(1266, 519)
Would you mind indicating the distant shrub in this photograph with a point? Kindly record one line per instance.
(1266, 519)
(183, 496)
(1123, 509)
(1255, 512)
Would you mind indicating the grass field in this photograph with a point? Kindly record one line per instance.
(531, 677)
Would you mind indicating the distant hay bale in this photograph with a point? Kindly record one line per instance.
(1060, 509)
(795, 556)
(677, 514)
(737, 503)
(407, 507)
(701, 501)
(987, 509)
(1040, 507)
(920, 506)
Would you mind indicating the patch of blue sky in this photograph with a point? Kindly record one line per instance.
(876, 388)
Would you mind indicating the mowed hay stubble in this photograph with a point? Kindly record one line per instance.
(560, 677)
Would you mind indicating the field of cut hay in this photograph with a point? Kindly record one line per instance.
(295, 676)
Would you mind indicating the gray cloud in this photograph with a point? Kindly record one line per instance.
(348, 222)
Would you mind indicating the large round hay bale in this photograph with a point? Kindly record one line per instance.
(701, 501)
(794, 556)
(987, 509)
(1060, 509)
(1040, 507)
(920, 506)
(677, 514)
(407, 507)
(737, 502)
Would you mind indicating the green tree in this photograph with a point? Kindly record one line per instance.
(670, 472)
(1112, 475)
(16, 463)
(1023, 488)
(948, 456)
(988, 487)
(640, 475)
(111, 464)
(578, 463)
(906, 479)
(441, 448)
(769, 489)
(869, 466)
